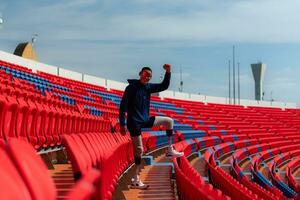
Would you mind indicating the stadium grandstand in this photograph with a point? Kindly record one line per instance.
(60, 139)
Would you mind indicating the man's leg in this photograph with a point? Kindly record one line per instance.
(138, 152)
(168, 123)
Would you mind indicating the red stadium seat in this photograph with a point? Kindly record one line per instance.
(30, 125)
(79, 161)
(32, 169)
(21, 119)
(9, 113)
(2, 106)
(85, 188)
(11, 183)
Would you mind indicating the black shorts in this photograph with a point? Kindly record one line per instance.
(135, 130)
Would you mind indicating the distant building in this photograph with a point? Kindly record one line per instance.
(258, 71)
(26, 50)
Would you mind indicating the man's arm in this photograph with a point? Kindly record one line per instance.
(158, 87)
(124, 106)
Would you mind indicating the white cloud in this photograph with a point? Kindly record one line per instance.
(214, 21)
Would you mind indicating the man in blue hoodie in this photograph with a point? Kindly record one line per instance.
(136, 102)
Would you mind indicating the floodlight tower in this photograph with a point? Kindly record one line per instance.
(34, 38)
(181, 82)
(258, 71)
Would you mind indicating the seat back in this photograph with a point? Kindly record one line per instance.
(79, 162)
(32, 169)
(9, 114)
(11, 183)
(86, 187)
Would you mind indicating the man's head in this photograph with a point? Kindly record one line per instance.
(145, 75)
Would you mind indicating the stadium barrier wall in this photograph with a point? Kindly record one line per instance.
(182, 95)
(70, 74)
(221, 100)
(28, 63)
(94, 80)
(166, 93)
(115, 85)
(198, 97)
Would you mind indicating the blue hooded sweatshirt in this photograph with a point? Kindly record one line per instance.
(136, 101)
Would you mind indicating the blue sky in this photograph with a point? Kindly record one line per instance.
(112, 39)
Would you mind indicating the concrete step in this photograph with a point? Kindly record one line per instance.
(62, 176)
(160, 185)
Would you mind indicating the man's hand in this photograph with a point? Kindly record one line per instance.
(167, 67)
(123, 130)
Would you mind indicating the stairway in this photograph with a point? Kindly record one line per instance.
(158, 177)
(63, 178)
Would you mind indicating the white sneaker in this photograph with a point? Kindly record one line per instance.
(171, 152)
(138, 184)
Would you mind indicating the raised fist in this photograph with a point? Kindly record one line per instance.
(167, 67)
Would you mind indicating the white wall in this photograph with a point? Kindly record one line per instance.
(285, 105)
(290, 105)
(197, 97)
(115, 85)
(70, 74)
(264, 103)
(94, 80)
(247, 102)
(211, 99)
(28, 63)
(167, 93)
(182, 95)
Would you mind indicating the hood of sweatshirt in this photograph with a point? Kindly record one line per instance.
(133, 81)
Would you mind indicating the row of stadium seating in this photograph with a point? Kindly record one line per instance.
(290, 169)
(191, 184)
(42, 121)
(111, 154)
(25, 176)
